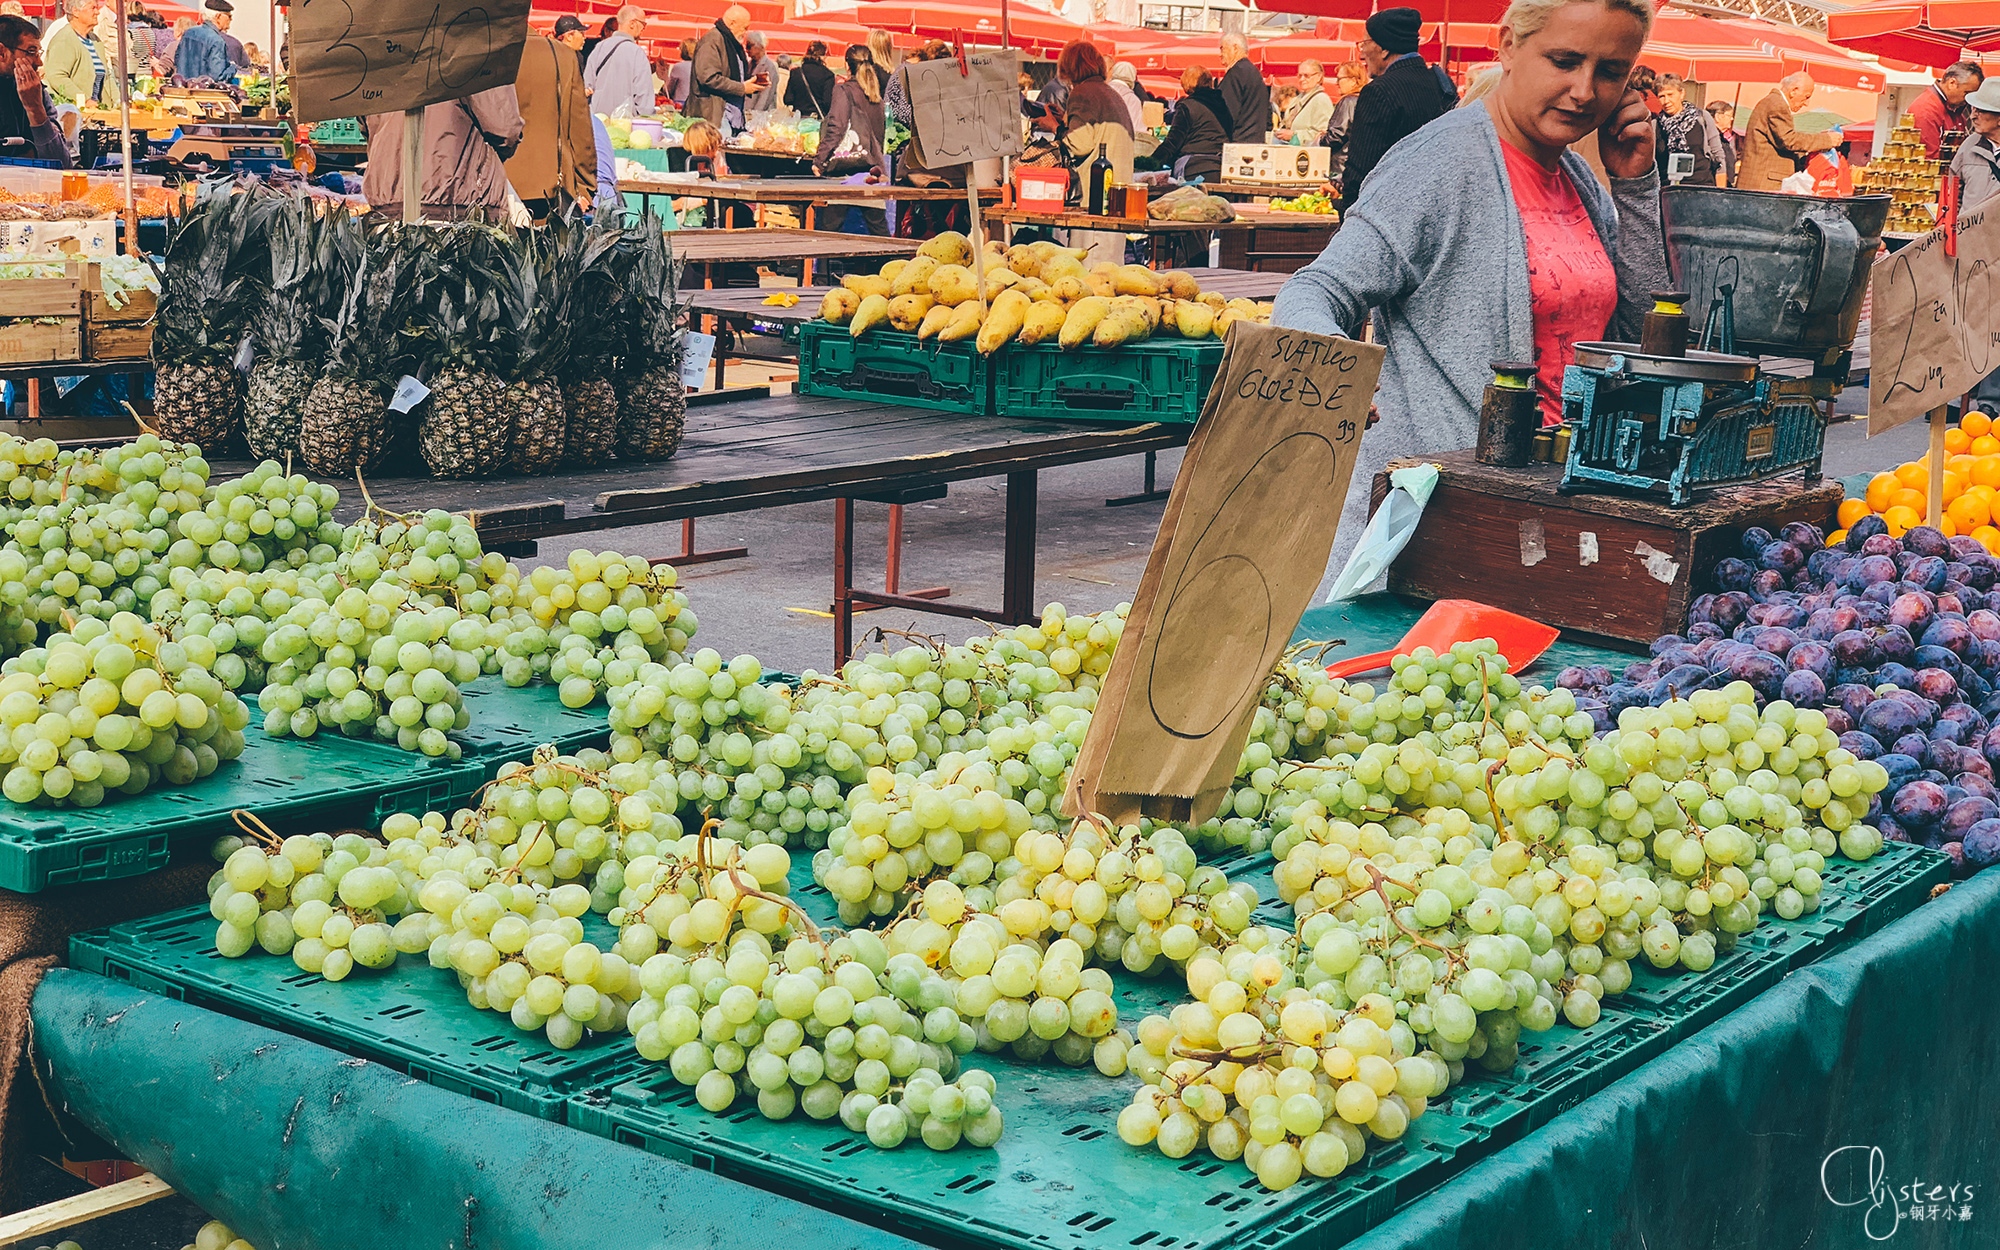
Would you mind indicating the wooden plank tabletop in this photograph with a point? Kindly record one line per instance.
(748, 302)
(792, 190)
(717, 247)
(740, 455)
(1248, 217)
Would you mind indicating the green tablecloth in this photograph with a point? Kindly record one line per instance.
(1720, 1142)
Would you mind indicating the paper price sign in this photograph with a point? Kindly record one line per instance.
(1935, 326)
(354, 58)
(967, 116)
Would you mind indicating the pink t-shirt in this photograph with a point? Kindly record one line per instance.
(1572, 288)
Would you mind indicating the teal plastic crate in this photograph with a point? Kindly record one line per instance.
(413, 1018)
(1059, 1178)
(1687, 1002)
(1556, 1070)
(510, 723)
(327, 782)
(1856, 899)
(894, 368)
(339, 130)
(1162, 380)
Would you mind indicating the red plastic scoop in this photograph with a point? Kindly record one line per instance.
(1521, 640)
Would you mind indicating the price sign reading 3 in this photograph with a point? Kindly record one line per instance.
(361, 57)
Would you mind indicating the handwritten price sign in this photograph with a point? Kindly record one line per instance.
(354, 58)
(969, 116)
(1935, 325)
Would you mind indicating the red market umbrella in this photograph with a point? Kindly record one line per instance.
(704, 12)
(1708, 51)
(1928, 32)
(1482, 11)
(976, 23)
(1336, 40)
(1829, 66)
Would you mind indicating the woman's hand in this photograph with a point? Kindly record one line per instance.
(1625, 143)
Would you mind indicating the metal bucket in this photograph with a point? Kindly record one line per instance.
(1798, 265)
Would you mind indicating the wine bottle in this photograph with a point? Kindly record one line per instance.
(1098, 198)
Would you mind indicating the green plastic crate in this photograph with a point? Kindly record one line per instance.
(327, 781)
(1059, 1178)
(1856, 899)
(1164, 380)
(509, 723)
(894, 368)
(413, 1018)
(1687, 1002)
(339, 130)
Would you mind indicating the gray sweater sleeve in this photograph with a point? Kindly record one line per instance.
(1641, 256)
(1365, 265)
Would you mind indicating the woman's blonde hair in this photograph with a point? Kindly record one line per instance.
(701, 139)
(882, 50)
(1480, 85)
(1526, 18)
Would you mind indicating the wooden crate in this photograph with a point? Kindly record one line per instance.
(1616, 567)
(118, 333)
(26, 341)
(1273, 248)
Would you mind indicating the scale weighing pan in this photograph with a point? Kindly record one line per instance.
(1448, 621)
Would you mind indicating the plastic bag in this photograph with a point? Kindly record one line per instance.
(1388, 530)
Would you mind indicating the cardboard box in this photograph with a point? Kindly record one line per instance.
(1273, 163)
(96, 239)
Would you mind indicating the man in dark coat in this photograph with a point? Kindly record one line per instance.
(722, 69)
(1403, 94)
(1244, 93)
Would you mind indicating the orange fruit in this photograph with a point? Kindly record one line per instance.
(1968, 513)
(1975, 423)
(1985, 445)
(1900, 518)
(1880, 487)
(1986, 470)
(1836, 538)
(1852, 510)
(1988, 538)
(1986, 493)
(1915, 474)
(1946, 527)
(1954, 485)
(1960, 464)
(1956, 441)
(1912, 499)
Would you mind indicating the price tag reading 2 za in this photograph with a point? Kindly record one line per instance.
(354, 58)
(1934, 330)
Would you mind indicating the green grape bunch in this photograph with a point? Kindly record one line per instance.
(112, 707)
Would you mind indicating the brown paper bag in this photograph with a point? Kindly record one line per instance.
(1241, 548)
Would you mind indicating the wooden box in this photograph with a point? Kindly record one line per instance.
(118, 333)
(1275, 249)
(26, 340)
(1618, 567)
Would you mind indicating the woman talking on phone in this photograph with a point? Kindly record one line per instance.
(1482, 237)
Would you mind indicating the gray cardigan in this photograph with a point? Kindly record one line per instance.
(1435, 247)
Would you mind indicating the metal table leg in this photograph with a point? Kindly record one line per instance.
(1017, 599)
(1149, 495)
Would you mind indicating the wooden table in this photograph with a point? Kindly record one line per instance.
(745, 454)
(808, 194)
(1249, 220)
(710, 248)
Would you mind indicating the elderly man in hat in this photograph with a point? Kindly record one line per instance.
(203, 52)
(1402, 95)
(570, 33)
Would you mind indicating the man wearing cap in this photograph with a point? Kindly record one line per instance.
(558, 149)
(202, 51)
(1402, 95)
(570, 34)
(1125, 81)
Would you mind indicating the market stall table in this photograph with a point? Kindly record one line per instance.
(807, 194)
(742, 455)
(713, 248)
(1247, 242)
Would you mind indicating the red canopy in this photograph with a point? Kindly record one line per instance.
(976, 23)
(703, 12)
(1454, 11)
(1831, 67)
(1927, 32)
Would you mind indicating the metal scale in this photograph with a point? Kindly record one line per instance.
(1770, 275)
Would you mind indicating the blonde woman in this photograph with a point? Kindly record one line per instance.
(1482, 237)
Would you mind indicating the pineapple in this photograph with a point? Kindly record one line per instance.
(597, 320)
(344, 426)
(208, 289)
(464, 432)
(541, 304)
(313, 259)
(652, 404)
